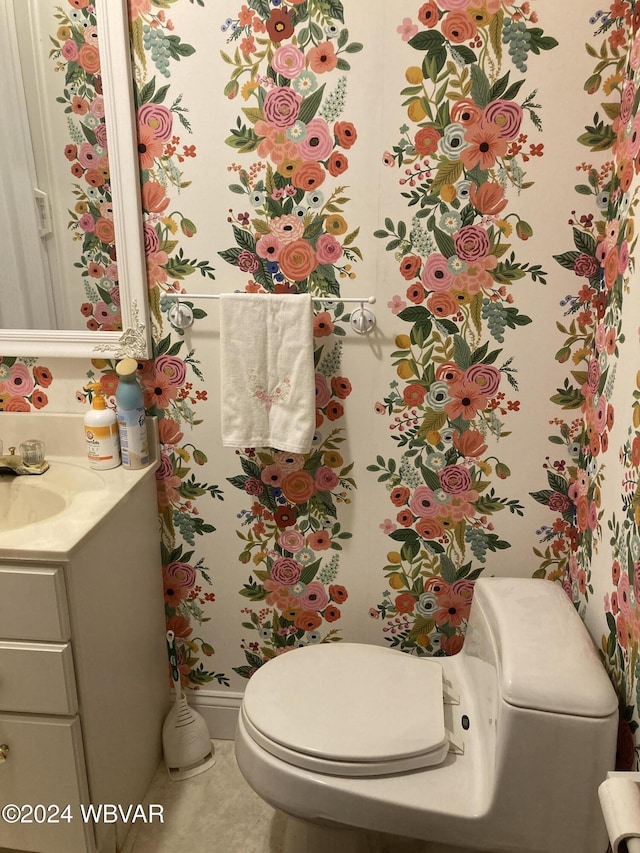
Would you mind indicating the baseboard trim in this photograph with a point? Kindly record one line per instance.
(219, 711)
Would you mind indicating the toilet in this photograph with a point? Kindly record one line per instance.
(499, 748)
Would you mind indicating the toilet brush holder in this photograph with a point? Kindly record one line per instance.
(188, 749)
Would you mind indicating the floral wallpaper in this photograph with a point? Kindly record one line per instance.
(464, 157)
(604, 241)
(76, 55)
(288, 65)
(261, 180)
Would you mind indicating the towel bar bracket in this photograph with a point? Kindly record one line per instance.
(363, 320)
(180, 315)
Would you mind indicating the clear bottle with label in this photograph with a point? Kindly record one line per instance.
(101, 433)
(131, 417)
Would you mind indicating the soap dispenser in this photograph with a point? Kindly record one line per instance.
(101, 432)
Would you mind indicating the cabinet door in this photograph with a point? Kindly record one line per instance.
(45, 765)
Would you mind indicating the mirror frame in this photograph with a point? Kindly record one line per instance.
(135, 339)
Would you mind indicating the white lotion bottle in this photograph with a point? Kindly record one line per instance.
(101, 433)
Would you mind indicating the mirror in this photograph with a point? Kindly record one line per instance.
(135, 339)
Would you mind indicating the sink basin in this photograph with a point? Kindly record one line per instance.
(31, 499)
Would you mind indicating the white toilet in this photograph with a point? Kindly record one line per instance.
(500, 748)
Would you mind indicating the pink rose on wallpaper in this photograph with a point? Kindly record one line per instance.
(247, 261)
(289, 61)
(486, 376)
(506, 115)
(286, 571)
(328, 249)
(175, 369)
(158, 118)
(455, 479)
(70, 50)
(471, 243)
(180, 574)
(282, 106)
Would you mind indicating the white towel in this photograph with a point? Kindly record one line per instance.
(267, 371)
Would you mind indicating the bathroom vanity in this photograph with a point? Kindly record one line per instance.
(83, 665)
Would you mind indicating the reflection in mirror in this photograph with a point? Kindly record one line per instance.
(70, 195)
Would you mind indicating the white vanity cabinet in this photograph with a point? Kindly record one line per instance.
(83, 674)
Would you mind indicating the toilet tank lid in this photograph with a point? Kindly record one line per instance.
(548, 661)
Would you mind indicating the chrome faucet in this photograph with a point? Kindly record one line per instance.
(30, 459)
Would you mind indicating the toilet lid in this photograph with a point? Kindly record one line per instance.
(348, 709)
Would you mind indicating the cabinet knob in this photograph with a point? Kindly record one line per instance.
(4, 752)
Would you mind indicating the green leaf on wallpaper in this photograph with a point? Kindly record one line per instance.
(513, 90)
(495, 34)
(505, 273)
(448, 173)
(557, 483)
(430, 477)
(310, 104)
(567, 259)
(462, 352)
(262, 7)
(332, 8)
(447, 569)
(598, 137)
(253, 114)
(584, 242)
(480, 88)
(465, 54)
(416, 314)
(444, 241)
(243, 138)
(403, 535)
(410, 550)
(538, 41)
(137, 42)
(499, 87)
(309, 572)
(427, 40)
(434, 62)
(244, 239)
(230, 256)
(568, 397)
(178, 48)
(611, 109)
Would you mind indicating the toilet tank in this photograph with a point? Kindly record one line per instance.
(546, 660)
(553, 716)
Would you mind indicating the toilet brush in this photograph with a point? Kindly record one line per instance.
(188, 749)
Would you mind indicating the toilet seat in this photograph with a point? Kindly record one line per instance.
(347, 709)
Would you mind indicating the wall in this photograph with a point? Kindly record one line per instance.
(488, 425)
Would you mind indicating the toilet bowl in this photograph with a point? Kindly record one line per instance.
(501, 747)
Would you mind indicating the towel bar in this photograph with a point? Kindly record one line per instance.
(363, 320)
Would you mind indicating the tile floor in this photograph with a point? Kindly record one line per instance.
(217, 812)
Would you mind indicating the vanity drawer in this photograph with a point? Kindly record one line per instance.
(33, 603)
(45, 764)
(37, 678)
